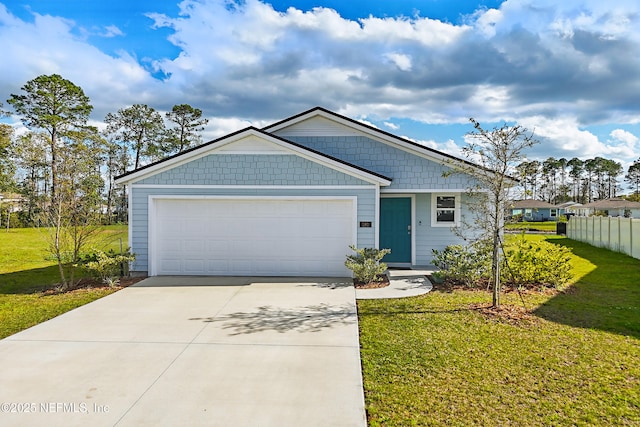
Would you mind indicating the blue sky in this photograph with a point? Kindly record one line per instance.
(568, 70)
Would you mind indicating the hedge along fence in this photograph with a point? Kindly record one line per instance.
(616, 233)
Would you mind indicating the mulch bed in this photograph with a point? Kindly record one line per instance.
(91, 283)
(383, 282)
(512, 314)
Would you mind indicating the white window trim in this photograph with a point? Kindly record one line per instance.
(434, 210)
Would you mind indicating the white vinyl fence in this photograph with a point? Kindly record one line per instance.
(615, 233)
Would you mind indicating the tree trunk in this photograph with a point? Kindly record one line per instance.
(496, 270)
(56, 246)
(495, 267)
(54, 173)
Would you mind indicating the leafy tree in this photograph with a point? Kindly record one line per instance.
(116, 160)
(528, 173)
(140, 127)
(612, 170)
(31, 158)
(497, 152)
(575, 172)
(56, 106)
(7, 166)
(563, 189)
(549, 171)
(189, 122)
(590, 168)
(633, 177)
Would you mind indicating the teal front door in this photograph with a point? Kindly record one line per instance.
(395, 228)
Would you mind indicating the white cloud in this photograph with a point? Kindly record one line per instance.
(218, 127)
(624, 136)
(449, 146)
(391, 126)
(401, 61)
(553, 66)
(112, 31)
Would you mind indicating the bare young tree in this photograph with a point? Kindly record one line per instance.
(497, 152)
(74, 215)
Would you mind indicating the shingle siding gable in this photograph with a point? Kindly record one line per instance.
(251, 169)
(407, 170)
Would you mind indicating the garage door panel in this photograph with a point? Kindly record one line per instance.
(217, 247)
(194, 266)
(252, 237)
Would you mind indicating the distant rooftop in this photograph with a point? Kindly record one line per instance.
(613, 203)
(531, 204)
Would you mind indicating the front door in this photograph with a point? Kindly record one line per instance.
(395, 228)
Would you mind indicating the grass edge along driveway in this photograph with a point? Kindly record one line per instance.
(574, 360)
(26, 270)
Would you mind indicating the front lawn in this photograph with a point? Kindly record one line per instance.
(573, 358)
(26, 271)
(546, 226)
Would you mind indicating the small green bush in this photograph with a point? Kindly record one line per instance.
(540, 263)
(108, 266)
(525, 264)
(366, 265)
(464, 265)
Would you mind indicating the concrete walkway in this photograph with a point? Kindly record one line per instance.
(402, 283)
(192, 351)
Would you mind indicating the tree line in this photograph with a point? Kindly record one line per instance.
(582, 181)
(64, 162)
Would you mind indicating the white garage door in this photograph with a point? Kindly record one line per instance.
(308, 237)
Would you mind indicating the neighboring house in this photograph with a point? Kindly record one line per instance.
(611, 207)
(569, 208)
(290, 198)
(534, 210)
(12, 201)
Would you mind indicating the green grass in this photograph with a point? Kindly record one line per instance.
(26, 270)
(549, 226)
(575, 360)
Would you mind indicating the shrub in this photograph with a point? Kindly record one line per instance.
(109, 266)
(365, 264)
(464, 265)
(529, 264)
(525, 264)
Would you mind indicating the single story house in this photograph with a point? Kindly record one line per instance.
(290, 198)
(569, 208)
(534, 210)
(611, 207)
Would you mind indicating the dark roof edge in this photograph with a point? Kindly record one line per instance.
(326, 156)
(197, 147)
(212, 142)
(375, 129)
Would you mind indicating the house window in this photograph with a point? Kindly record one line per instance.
(445, 210)
(554, 213)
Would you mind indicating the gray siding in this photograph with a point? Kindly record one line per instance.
(366, 201)
(429, 238)
(407, 170)
(252, 169)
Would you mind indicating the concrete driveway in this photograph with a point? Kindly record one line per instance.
(197, 351)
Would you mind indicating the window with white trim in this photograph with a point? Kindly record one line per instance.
(445, 210)
(554, 213)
